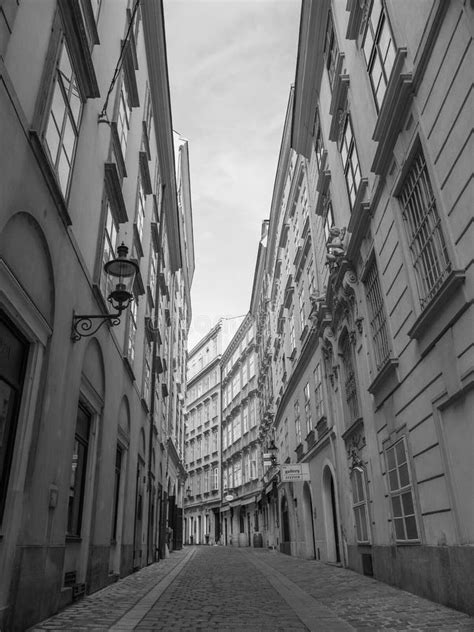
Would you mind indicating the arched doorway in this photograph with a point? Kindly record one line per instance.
(285, 545)
(330, 517)
(310, 536)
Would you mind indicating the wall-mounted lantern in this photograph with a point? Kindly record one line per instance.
(121, 272)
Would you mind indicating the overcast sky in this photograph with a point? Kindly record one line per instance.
(231, 64)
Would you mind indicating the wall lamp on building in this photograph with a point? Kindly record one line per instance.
(121, 274)
(188, 492)
(273, 451)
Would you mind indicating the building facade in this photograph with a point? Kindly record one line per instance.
(366, 281)
(240, 456)
(203, 440)
(92, 429)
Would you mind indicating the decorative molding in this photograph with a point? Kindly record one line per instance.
(78, 46)
(356, 11)
(114, 192)
(130, 76)
(454, 280)
(145, 172)
(359, 222)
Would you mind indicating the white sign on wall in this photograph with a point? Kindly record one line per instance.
(295, 472)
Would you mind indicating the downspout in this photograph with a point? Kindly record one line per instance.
(153, 370)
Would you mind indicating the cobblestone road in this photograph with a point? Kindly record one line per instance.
(222, 588)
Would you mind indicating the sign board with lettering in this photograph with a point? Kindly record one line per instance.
(295, 472)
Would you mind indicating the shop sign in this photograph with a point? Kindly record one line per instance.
(296, 472)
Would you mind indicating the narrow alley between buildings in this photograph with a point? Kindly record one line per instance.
(229, 588)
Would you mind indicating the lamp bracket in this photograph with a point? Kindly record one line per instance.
(82, 324)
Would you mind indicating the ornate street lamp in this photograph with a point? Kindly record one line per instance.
(122, 272)
(273, 451)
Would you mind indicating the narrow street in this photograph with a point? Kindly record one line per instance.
(225, 588)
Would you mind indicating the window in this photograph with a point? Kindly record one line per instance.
(237, 473)
(153, 272)
(292, 332)
(13, 357)
(123, 119)
(377, 316)
(147, 111)
(318, 141)
(118, 470)
(237, 427)
(147, 374)
(132, 330)
(360, 504)
(328, 216)
(215, 478)
(140, 215)
(62, 128)
(206, 480)
(350, 385)
(379, 51)
(422, 223)
(297, 422)
(307, 408)
(331, 50)
(206, 443)
(245, 373)
(108, 249)
(301, 305)
(350, 161)
(252, 415)
(401, 493)
(77, 481)
(245, 419)
(253, 464)
(214, 440)
(251, 366)
(318, 392)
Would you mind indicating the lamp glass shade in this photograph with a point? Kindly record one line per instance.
(121, 272)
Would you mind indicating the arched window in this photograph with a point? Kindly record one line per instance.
(349, 378)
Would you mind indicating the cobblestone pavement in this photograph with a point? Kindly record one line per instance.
(256, 590)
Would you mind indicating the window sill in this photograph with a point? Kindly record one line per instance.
(386, 373)
(444, 310)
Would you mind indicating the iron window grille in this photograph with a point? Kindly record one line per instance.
(423, 225)
(379, 51)
(401, 495)
(377, 316)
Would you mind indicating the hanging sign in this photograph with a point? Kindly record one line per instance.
(296, 472)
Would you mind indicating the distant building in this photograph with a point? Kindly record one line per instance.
(202, 440)
(241, 468)
(363, 298)
(91, 448)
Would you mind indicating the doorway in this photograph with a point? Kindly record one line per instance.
(330, 517)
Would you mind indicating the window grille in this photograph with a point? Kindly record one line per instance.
(423, 225)
(350, 384)
(379, 51)
(377, 316)
(401, 496)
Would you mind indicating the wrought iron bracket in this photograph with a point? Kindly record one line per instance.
(82, 324)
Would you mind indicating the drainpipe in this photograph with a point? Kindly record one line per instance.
(154, 374)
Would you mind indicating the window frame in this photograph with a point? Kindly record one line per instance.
(425, 300)
(402, 490)
(377, 314)
(348, 148)
(84, 441)
(375, 55)
(360, 506)
(331, 49)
